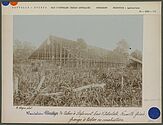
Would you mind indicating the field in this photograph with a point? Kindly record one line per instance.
(42, 84)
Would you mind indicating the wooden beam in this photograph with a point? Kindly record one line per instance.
(60, 48)
(64, 56)
(75, 90)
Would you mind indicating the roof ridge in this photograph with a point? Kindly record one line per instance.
(52, 37)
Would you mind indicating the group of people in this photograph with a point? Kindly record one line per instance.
(122, 87)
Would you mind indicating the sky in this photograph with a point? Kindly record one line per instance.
(97, 30)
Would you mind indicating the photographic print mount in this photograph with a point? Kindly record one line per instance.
(90, 63)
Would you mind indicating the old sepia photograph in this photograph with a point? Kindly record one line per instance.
(77, 60)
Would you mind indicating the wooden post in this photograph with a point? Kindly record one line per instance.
(81, 62)
(52, 52)
(44, 52)
(68, 59)
(63, 56)
(94, 62)
(38, 54)
(60, 54)
(56, 52)
(48, 48)
(122, 83)
(40, 84)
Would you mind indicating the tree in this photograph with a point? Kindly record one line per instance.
(22, 50)
(122, 46)
(137, 54)
(121, 51)
(82, 43)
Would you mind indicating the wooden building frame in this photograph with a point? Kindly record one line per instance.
(68, 53)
